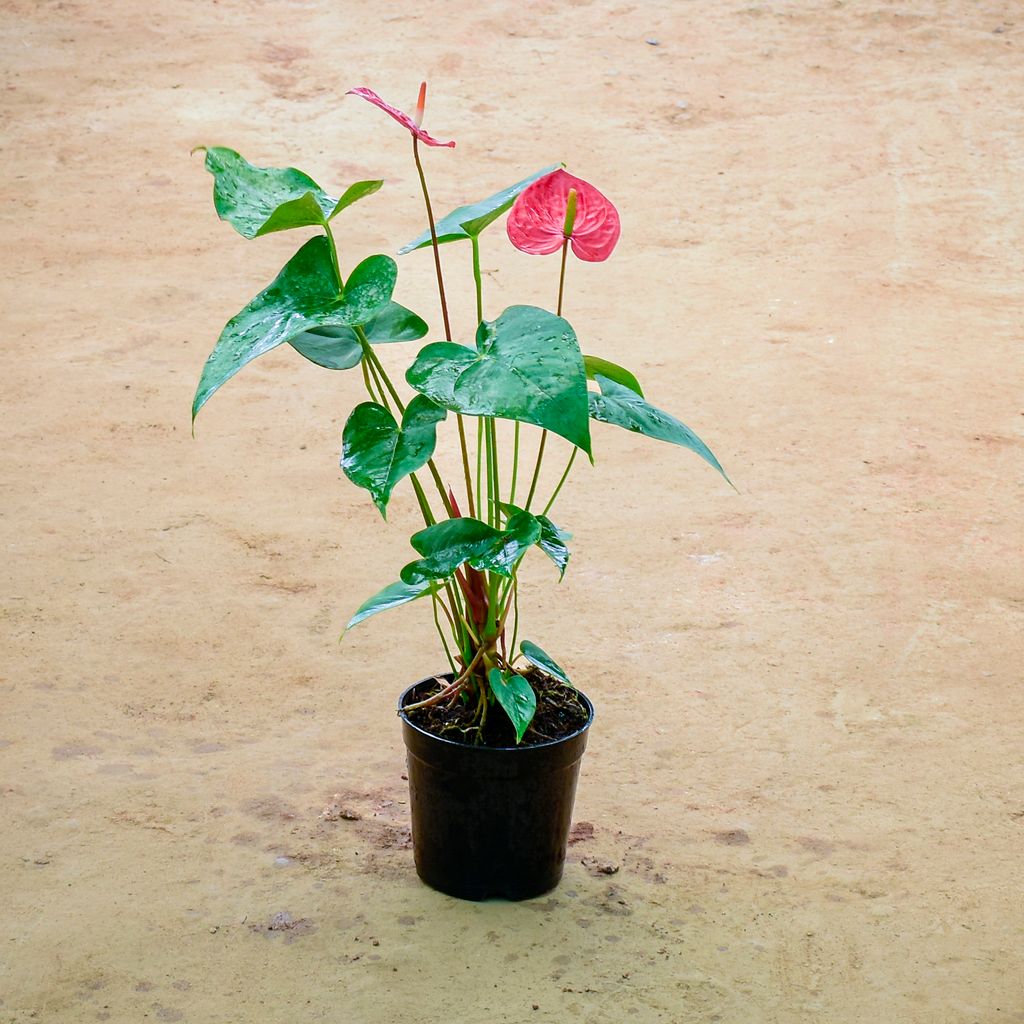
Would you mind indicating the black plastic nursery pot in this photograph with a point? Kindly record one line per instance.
(490, 821)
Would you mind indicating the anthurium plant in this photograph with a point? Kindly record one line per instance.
(525, 366)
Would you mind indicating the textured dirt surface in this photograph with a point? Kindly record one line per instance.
(802, 800)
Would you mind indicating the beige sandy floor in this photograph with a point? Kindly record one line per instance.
(807, 762)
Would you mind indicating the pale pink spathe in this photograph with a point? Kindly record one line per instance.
(402, 118)
(537, 220)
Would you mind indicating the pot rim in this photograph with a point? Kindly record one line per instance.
(588, 703)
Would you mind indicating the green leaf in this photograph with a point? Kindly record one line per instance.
(521, 533)
(527, 366)
(338, 348)
(553, 542)
(516, 696)
(259, 200)
(451, 543)
(335, 348)
(302, 297)
(353, 194)
(391, 596)
(552, 539)
(606, 368)
(394, 323)
(469, 221)
(367, 290)
(376, 454)
(625, 408)
(544, 661)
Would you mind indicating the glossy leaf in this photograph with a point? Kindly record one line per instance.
(469, 221)
(392, 596)
(527, 366)
(552, 539)
(259, 200)
(544, 661)
(553, 542)
(338, 348)
(521, 533)
(377, 453)
(625, 408)
(303, 296)
(453, 542)
(595, 365)
(334, 348)
(516, 696)
(360, 190)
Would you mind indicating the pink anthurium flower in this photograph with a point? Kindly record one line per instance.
(537, 223)
(413, 124)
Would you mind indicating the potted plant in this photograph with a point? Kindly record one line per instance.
(494, 742)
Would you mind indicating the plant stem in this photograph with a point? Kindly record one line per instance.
(444, 311)
(479, 459)
(428, 516)
(371, 356)
(369, 387)
(334, 257)
(433, 238)
(544, 436)
(488, 450)
(496, 486)
(515, 606)
(536, 469)
(477, 279)
(515, 463)
(465, 464)
(440, 632)
(380, 375)
(561, 276)
(551, 500)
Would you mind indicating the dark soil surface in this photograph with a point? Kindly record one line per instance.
(560, 713)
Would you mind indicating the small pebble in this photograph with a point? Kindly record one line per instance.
(652, 42)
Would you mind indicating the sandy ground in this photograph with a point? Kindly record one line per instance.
(806, 770)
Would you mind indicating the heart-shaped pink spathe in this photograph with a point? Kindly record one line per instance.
(536, 223)
(402, 118)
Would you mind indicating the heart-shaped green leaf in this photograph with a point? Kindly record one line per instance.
(527, 366)
(338, 348)
(625, 408)
(552, 539)
(303, 296)
(544, 661)
(606, 368)
(451, 543)
(391, 596)
(376, 453)
(469, 221)
(516, 696)
(259, 200)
